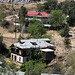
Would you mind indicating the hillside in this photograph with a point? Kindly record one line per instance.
(8, 6)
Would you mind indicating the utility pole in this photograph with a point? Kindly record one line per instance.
(15, 29)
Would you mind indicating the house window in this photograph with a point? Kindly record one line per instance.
(12, 57)
(34, 43)
(19, 58)
(20, 52)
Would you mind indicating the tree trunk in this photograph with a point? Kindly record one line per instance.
(23, 30)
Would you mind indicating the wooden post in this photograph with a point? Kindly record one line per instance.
(15, 30)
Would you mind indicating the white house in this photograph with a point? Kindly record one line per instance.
(20, 52)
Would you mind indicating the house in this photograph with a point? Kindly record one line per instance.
(41, 16)
(20, 52)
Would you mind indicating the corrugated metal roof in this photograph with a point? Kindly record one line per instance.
(40, 43)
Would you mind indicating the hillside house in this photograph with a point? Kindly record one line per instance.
(20, 52)
(41, 16)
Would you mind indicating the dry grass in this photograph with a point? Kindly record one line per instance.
(30, 6)
(9, 38)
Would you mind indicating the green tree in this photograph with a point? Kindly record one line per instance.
(34, 67)
(50, 5)
(67, 42)
(36, 29)
(35, 54)
(65, 31)
(19, 38)
(22, 15)
(3, 49)
(39, 7)
(71, 20)
(57, 19)
(68, 7)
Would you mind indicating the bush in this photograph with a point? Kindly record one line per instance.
(47, 36)
(65, 31)
(71, 63)
(5, 24)
(3, 49)
(50, 5)
(19, 38)
(35, 67)
(2, 16)
(11, 29)
(57, 69)
(67, 42)
(57, 19)
(68, 7)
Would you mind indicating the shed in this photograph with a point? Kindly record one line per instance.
(48, 54)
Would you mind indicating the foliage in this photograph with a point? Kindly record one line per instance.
(47, 36)
(68, 7)
(71, 20)
(11, 28)
(34, 67)
(23, 67)
(19, 38)
(39, 7)
(57, 19)
(7, 66)
(36, 29)
(11, 65)
(2, 16)
(3, 49)
(22, 14)
(71, 63)
(35, 54)
(65, 31)
(50, 5)
(57, 69)
(5, 24)
(67, 42)
(2, 57)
